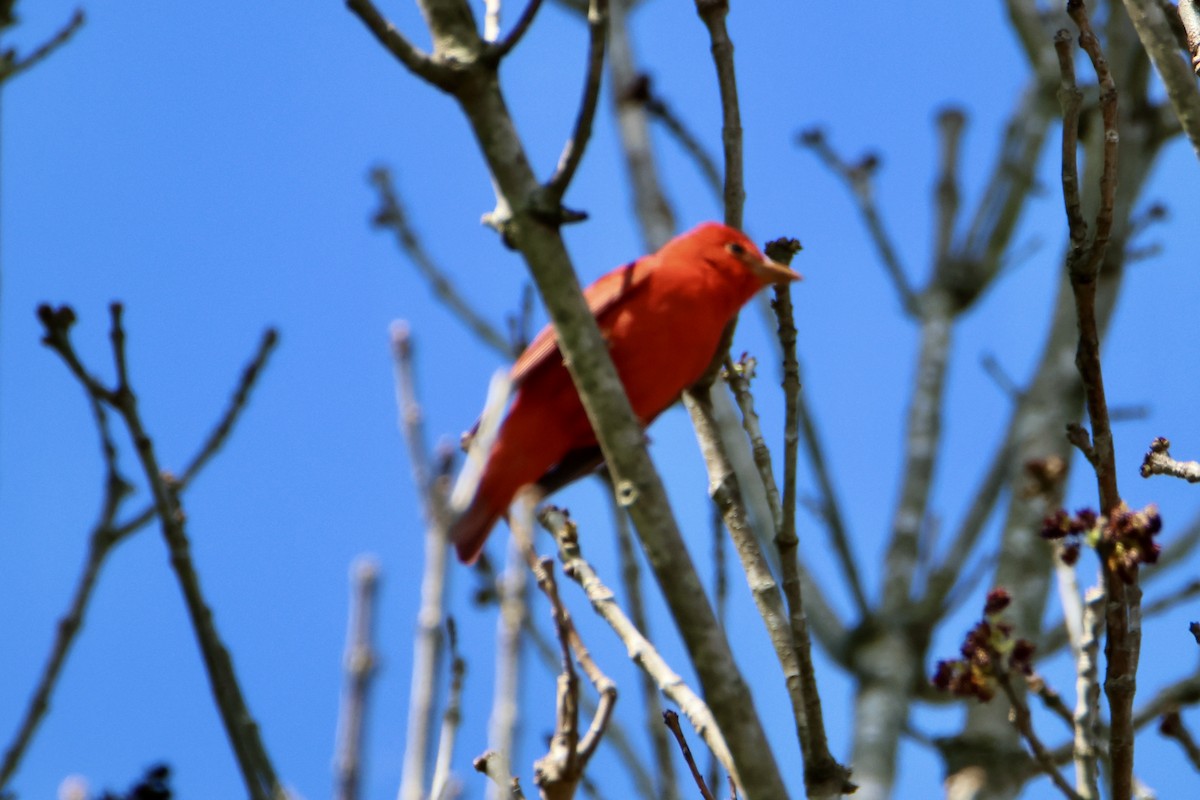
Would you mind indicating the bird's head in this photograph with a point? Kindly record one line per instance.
(731, 251)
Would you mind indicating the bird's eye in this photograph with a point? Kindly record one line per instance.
(736, 249)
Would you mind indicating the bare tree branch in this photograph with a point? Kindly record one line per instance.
(1158, 461)
(391, 214)
(572, 152)
(11, 66)
(257, 771)
(1179, 80)
(640, 650)
(360, 663)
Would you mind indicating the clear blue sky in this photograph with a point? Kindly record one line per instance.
(207, 166)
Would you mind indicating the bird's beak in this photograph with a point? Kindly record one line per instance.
(769, 271)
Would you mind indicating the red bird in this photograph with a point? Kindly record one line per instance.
(662, 317)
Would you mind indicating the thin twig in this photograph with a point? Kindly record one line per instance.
(671, 720)
(257, 771)
(360, 664)
(1158, 461)
(100, 544)
(640, 650)
(653, 211)
(642, 92)
(1023, 722)
(391, 214)
(43, 51)
(713, 13)
(946, 195)
(738, 377)
(823, 775)
(107, 534)
(573, 150)
(451, 718)
(1123, 613)
(394, 41)
(1173, 728)
(858, 179)
(616, 737)
(515, 35)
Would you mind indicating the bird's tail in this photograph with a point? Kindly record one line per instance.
(470, 530)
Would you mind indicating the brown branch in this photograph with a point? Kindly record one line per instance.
(572, 153)
(1173, 728)
(642, 92)
(107, 533)
(616, 737)
(257, 770)
(13, 68)
(360, 665)
(671, 720)
(858, 179)
(392, 215)
(713, 13)
(100, 544)
(1023, 722)
(1086, 253)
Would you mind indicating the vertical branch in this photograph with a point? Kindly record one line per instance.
(1086, 719)
(512, 587)
(1123, 607)
(713, 13)
(823, 775)
(360, 666)
(427, 645)
(451, 718)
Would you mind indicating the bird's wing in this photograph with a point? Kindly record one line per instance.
(606, 293)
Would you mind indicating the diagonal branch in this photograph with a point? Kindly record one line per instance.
(257, 771)
(397, 44)
(392, 214)
(12, 69)
(1155, 32)
(505, 46)
(573, 150)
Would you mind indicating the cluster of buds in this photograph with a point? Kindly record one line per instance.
(1124, 539)
(989, 654)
